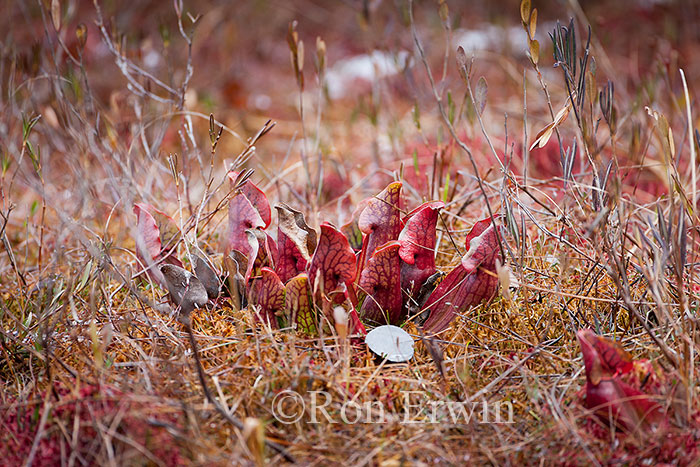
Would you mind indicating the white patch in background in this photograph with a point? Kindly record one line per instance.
(496, 38)
(259, 101)
(344, 74)
(151, 59)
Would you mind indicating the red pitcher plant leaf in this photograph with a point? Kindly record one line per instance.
(169, 231)
(296, 242)
(417, 246)
(477, 229)
(291, 260)
(381, 281)
(613, 390)
(298, 304)
(380, 221)
(482, 247)
(149, 243)
(448, 297)
(256, 197)
(242, 216)
(148, 236)
(333, 262)
(266, 296)
(604, 358)
(470, 283)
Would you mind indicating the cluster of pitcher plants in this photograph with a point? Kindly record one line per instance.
(379, 268)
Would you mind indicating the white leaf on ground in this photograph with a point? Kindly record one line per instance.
(390, 342)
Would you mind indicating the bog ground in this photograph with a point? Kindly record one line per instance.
(205, 206)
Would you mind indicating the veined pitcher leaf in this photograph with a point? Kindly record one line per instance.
(417, 246)
(266, 296)
(613, 390)
(381, 281)
(298, 305)
(381, 219)
(242, 216)
(470, 283)
(333, 262)
(256, 197)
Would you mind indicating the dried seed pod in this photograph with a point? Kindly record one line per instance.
(207, 276)
(184, 288)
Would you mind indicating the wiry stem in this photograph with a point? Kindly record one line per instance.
(449, 125)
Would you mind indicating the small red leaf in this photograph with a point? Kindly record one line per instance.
(467, 285)
(417, 246)
(381, 218)
(298, 304)
(242, 216)
(333, 262)
(482, 248)
(615, 400)
(381, 281)
(447, 298)
(417, 239)
(256, 197)
(266, 296)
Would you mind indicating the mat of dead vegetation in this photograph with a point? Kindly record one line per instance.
(582, 142)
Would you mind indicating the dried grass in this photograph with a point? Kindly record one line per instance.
(78, 329)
